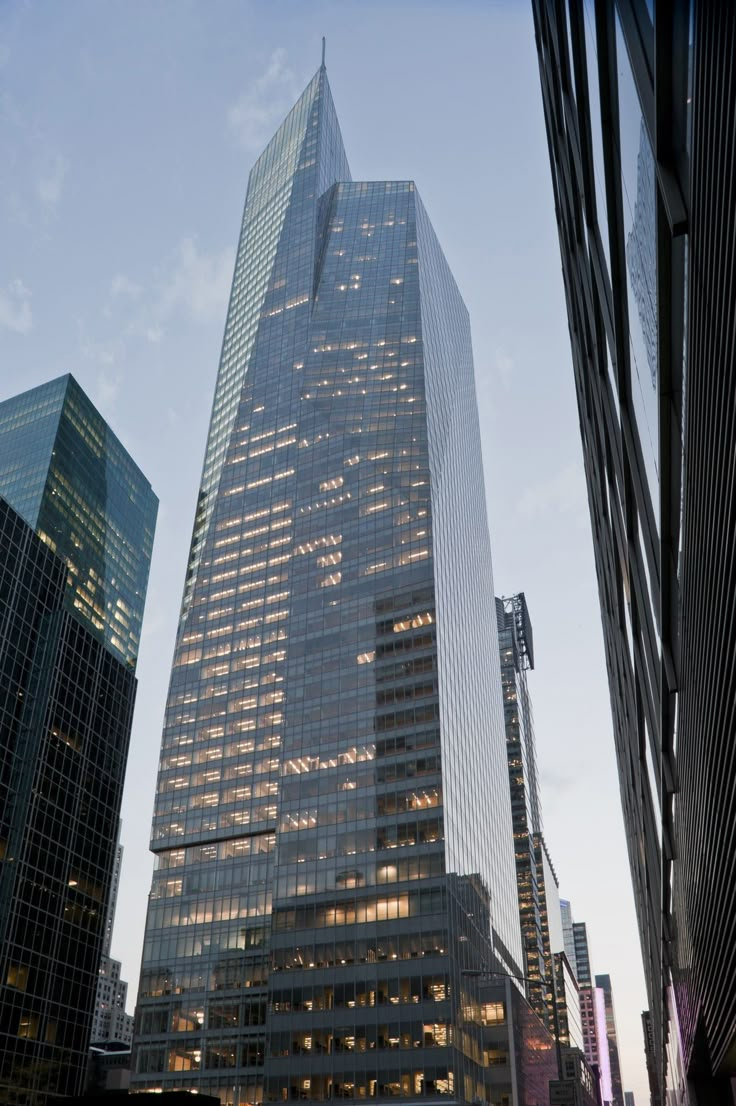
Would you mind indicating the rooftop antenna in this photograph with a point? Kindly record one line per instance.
(323, 51)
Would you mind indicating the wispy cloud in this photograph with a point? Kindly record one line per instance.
(562, 492)
(50, 183)
(253, 117)
(505, 367)
(121, 286)
(198, 284)
(99, 352)
(106, 389)
(15, 307)
(192, 286)
(103, 357)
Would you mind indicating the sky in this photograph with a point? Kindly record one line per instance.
(128, 128)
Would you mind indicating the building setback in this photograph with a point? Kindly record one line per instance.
(641, 124)
(76, 529)
(332, 827)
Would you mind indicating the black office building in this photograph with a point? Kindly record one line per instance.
(639, 104)
(76, 529)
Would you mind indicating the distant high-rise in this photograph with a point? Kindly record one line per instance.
(603, 982)
(582, 954)
(567, 933)
(76, 529)
(595, 1041)
(516, 651)
(332, 829)
(641, 124)
(597, 1015)
(110, 1021)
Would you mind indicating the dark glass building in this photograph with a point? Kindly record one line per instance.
(332, 827)
(516, 649)
(582, 954)
(640, 111)
(76, 526)
(65, 472)
(540, 915)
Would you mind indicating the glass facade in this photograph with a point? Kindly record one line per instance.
(582, 954)
(517, 656)
(72, 587)
(567, 995)
(567, 933)
(65, 472)
(326, 865)
(621, 130)
(519, 1052)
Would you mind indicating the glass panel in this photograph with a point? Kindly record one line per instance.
(653, 778)
(591, 53)
(571, 53)
(691, 38)
(614, 385)
(648, 585)
(639, 210)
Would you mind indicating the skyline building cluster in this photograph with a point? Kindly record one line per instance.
(353, 896)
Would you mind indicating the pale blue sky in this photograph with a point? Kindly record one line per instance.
(128, 129)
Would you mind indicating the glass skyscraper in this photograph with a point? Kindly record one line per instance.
(65, 472)
(638, 102)
(516, 649)
(332, 826)
(76, 529)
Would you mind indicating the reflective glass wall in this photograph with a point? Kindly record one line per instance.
(327, 866)
(638, 104)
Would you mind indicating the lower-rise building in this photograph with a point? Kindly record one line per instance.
(519, 1054)
(577, 1084)
(110, 1022)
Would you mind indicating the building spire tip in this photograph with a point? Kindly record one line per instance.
(323, 52)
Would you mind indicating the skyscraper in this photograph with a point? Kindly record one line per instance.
(516, 650)
(567, 933)
(596, 1010)
(110, 1021)
(641, 126)
(76, 529)
(603, 982)
(582, 954)
(332, 826)
(592, 1013)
